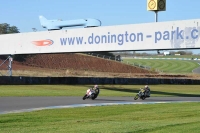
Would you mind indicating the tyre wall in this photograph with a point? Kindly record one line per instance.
(91, 80)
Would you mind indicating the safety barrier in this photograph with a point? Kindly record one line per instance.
(4, 80)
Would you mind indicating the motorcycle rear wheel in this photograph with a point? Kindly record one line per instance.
(93, 96)
(143, 97)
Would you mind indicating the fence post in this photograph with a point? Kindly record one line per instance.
(10, 65)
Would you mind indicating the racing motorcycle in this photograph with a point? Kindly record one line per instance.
(141, 95)
(91, 94)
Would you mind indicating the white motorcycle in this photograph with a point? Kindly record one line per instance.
(91, 94)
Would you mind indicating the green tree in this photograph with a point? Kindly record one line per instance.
(7, 29)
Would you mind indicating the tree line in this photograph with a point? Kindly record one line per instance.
(7, 29)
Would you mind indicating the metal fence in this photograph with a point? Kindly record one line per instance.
(116, 58)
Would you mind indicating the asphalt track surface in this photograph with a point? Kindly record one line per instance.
(197, 70)
(28, 104)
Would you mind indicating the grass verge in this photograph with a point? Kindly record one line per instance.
(156, 118)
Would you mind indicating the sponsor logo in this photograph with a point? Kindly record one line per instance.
(46, 42)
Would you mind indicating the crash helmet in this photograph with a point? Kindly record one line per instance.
(146, 86)
(95, 86)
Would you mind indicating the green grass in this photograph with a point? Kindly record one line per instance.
(156, 118)
(175, 56)
(152, 118)
(105, 90)
(167, 66)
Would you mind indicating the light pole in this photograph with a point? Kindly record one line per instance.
(156, 6)
(156, 16)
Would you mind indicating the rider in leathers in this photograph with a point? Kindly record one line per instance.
(95, 88)
(147, 90)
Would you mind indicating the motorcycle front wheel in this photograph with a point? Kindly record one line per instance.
(136, 97)
(93, 96)
(84, 97)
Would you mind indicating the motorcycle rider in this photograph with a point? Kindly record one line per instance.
(95, 88)
(147, 90)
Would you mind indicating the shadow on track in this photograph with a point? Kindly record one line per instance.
(175, 94)
(136, 90)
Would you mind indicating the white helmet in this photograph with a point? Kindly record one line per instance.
(95, 86)
(146, 86)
